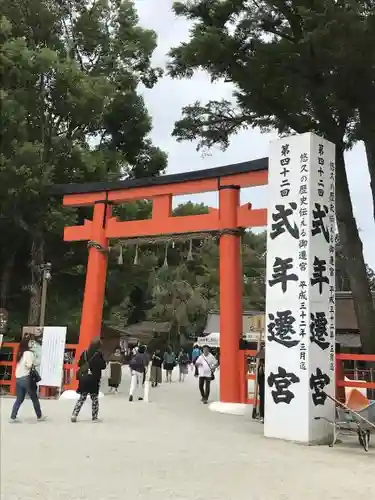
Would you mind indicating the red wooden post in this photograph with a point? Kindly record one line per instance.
(242, 369)
(92, 309)
(339, 374)
(230, 295)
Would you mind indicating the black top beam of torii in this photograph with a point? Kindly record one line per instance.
(195, 175)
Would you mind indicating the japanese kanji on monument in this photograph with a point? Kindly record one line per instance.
(300, 307)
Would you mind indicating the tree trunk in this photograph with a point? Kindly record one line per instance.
(5, 279)
(367, 128)
(353, 257)
(370, 153)
(36, 262)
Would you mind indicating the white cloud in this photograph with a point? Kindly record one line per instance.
(166, 100)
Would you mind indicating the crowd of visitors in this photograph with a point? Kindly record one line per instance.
(204, 364)
(144, 367)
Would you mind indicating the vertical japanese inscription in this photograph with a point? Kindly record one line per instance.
(318, 381)
(303, 256)
(284, 170)
(282, 223)
(282, 273)
(281, 328)
(319, 221)
(332, 273)
(321, 278)
(282, 314)
(281, 383)
(319, 329)
(321, 186)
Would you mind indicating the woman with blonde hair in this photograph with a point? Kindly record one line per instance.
(89, 374)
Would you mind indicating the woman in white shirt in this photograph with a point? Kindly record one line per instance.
(24, 383)
(206, 364)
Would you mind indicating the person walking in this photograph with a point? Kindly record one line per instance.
(156, 364)
(135, 349)
(169, 363)
(206, 365)
(261, 381)
(138, 366)
(194, 356)
(115, 370)
(90, 366)
(26, 381)
(183, 364)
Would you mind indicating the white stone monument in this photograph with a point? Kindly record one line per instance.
(300, 297)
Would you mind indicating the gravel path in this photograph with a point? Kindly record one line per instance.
(170, 448)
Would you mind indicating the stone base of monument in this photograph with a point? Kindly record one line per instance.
(72, 395)
(230, 408)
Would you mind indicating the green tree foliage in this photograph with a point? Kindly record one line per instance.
(70, 112)
(176, 282)
(186, 287)
(296, 66)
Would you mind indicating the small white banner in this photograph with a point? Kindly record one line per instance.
(52, 355)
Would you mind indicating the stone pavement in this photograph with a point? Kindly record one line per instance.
(170, 448)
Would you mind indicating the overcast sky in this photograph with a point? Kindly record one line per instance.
(166, 100)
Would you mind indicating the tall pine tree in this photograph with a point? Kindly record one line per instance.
(286, 61)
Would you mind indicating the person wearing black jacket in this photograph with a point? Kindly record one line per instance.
(156, 364)
(261, 381)
(91, 364)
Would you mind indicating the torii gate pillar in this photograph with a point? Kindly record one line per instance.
(93, 300)
(230, 293)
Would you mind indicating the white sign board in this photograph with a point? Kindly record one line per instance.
(211, 340)
(52, 355)
(300, 297)
(253, 336)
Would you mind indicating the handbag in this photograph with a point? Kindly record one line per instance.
(209, 366)
(34, 375)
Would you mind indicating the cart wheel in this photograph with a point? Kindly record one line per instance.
(364, 439)
(360, 437)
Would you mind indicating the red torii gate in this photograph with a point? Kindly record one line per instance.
(228, 221)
